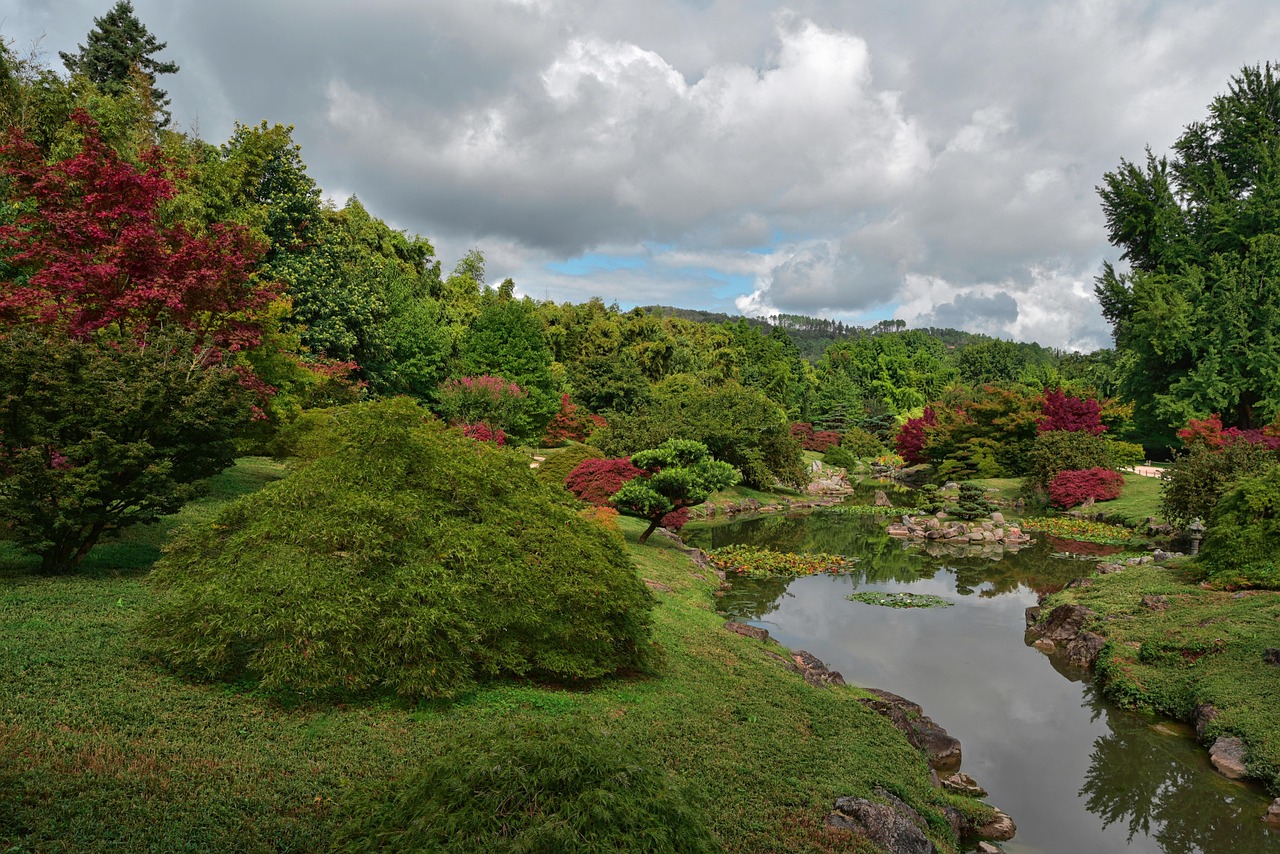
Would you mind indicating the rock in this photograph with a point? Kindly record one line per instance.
(1083, 651)
(882, 500)
(1204, 715)
(1079, 582)
(963, 784)
(997, 517)
(1227, 756)
(985, 847)
(814, 671)
(942, 749)
(1108, 568)
(1156, 603)
(951, 484)
(1064, 623)
(1271, 656)
(892, 825)
(999, 828)
(747, 631)
(1032, 615)
(1273, 814)
(1045, 645)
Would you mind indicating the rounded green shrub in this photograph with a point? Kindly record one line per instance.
(861, 443)
(402, 556)
(535, 788)
(556, 467)
(1241, 546)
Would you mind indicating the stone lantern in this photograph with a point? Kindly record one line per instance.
(1196, 532)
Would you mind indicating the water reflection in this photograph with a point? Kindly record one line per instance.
(1076, 773)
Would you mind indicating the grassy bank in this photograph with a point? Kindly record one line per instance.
(100, 749)
(1205, 646)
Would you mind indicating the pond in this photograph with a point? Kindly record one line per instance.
(1075, 772)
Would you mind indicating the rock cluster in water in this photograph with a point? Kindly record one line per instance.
(941, 535)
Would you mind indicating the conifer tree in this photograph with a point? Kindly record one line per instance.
(118, 48)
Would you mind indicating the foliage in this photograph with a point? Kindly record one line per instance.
(595, 480)
(571, 424)
(676, 475)
(861, 443)
(88, 249)
(911, 438)
(971, 503)
(119, 47)
(405, 557)
(99, 435)
(814, 440)
(1071, 488)
(900, 600)
(506, 340)
(1072, 414)
(1063, 450)
(536, 786)
(929, 500)
(557, 466)
(1083, 530)
(493, 401)
(1198, 307)
(755, 562)
(1205, 472)
(839, 457)
(1240, 546)
(739, 426)
(484, 433)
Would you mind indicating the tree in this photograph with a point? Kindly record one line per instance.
(118, 47)
(1198, 310)
(88, 248)
(100, 434)
(677, 474)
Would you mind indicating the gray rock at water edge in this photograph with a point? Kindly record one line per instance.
(1227, 756)
(892, 825)
(815, 672)
(1000, 828)
(1032, 615)
(943, 750)
(1063, 623)
(1204, 715)
(1084, 649)
(985, 847)
(963, 784)
(747, 631)
(997, 517)
(1272, 816)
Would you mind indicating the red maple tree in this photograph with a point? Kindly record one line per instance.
(89, 248)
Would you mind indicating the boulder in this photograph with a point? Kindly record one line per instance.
(942, 749)
(985, 847)
(882, 500)
(1272, 816)
(999, 828)
(1063, 623)
(997, 517)
(747, 631)
(963, 784)
(1227, 756)
(1156, 603)
(1204, 715)
(892, 825)
(1083, 651)
(814, 671)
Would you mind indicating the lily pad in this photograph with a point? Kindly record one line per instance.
(900, 600)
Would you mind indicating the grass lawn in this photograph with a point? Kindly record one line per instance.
(1008, 488)
(1139, 499)
(100, 749)
(1206, 647)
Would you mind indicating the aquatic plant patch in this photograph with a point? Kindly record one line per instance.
(871, 510)
(755, 562)
(900, 600)
(1083, 530)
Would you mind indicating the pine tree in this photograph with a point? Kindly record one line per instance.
(118, 48)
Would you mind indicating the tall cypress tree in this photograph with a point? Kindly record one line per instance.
(118, 47)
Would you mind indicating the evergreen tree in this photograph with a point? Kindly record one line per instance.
(118, 48)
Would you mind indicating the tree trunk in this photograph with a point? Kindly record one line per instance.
(653, 526)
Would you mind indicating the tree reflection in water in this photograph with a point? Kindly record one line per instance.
(1155, 785)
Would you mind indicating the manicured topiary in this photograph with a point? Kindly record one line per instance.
(1072, 488)
(546, 786)
(971, 502)
(403, 556)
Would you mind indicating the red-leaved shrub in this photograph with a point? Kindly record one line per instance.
(911, 438)
(1071, 414)
(595, 482)
(482, 432)
(811, 440)
(571, 424)
(1073, 487)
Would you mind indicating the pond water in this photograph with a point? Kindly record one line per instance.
(1075, 772)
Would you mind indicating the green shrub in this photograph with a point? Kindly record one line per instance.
(861, 444)
(1062, 450)
(1240, 548)
(1201, 475)
(840, 457)
(556, 467)
(528, 787)
(1126, 454)
(407, 557)
(971, 502)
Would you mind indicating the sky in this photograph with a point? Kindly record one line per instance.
(933, 162)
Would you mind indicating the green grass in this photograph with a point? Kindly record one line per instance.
(1009, 488)
(1139, 499)
(100, 749)
(1207, 647)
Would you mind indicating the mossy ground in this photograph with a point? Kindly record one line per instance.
(101, 749)
(1206, 647)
